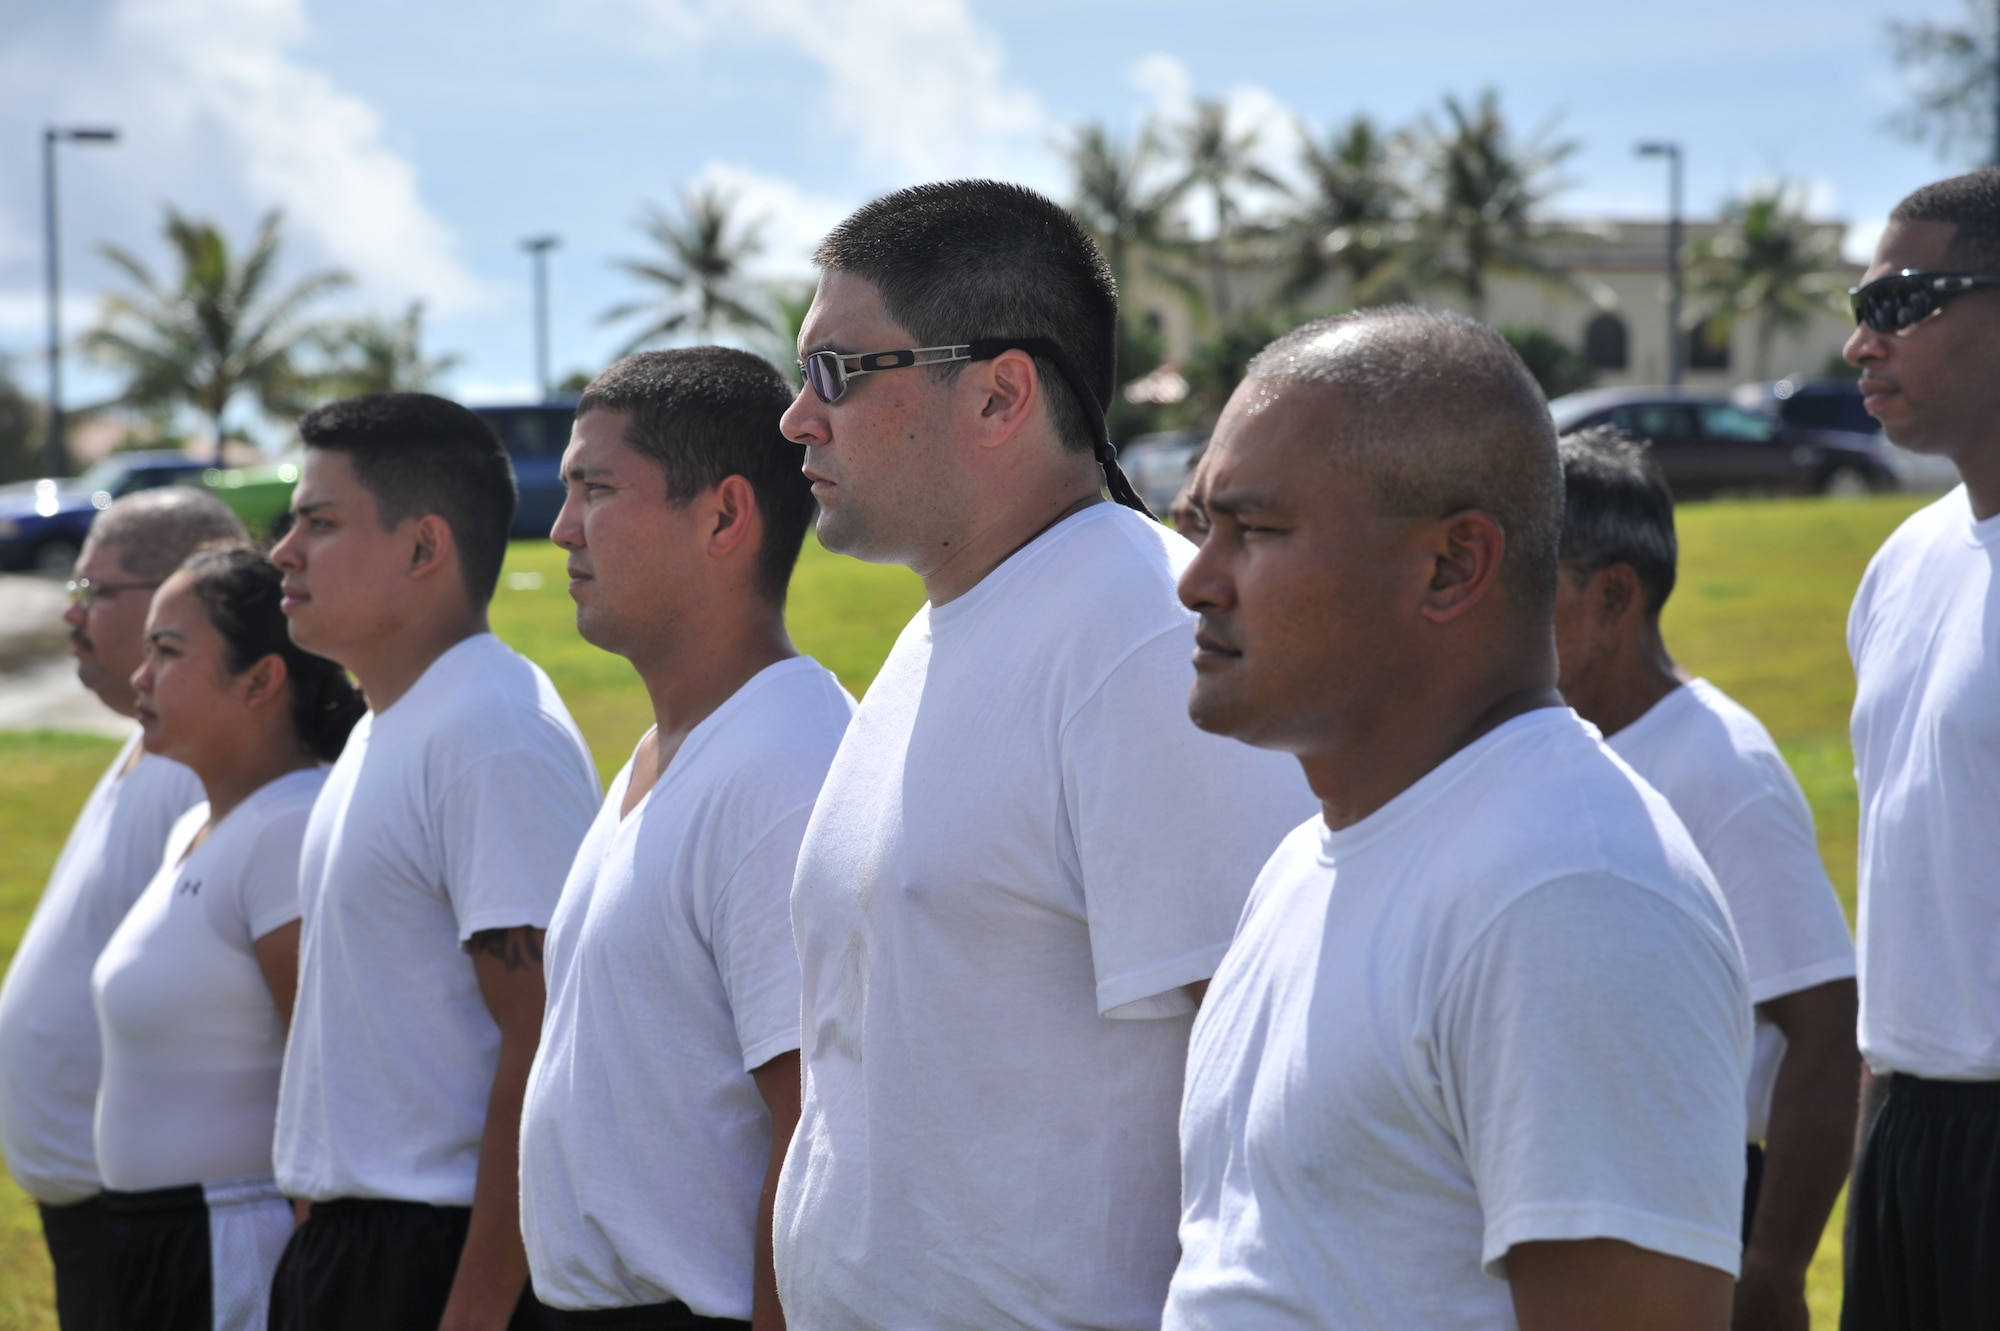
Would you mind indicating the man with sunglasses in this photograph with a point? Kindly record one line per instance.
(1924, 1233)
(1026, 861)
(48, 1028)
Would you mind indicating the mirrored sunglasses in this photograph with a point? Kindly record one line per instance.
(1902, 300)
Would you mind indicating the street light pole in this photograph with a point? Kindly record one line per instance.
(54, 454)
(1675, 347)
(539, 247)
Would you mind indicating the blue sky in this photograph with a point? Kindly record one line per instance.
(415, 144)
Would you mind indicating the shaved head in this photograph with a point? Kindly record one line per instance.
(1438, 414)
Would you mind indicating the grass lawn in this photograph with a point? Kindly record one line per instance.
(1761, 610)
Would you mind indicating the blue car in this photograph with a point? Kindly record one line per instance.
(535, 438)
(43, 523)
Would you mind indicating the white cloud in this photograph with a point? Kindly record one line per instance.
(219, 115)
(1858, 246)
(791, 220)
(1165, 84)
(916, 88)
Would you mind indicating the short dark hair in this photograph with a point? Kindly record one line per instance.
(1439, 414)
(242, 594)
(707, 413)
(1970, 204)
(419, 454)
(966, 259)
(1617, 509)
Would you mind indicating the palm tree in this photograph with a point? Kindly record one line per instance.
(1220, 162)
(1350, 220)
(1957, 97)
(1768, 263)
(377, 355)
(699, 276)
(1116, 196)
(1482, 198)
(214, 333)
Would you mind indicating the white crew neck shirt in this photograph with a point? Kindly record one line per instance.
(672, 975)
(457, 810)
(1925, 638)
(48, 1030)
(193, 1039)
(1722, 773)
(1505, 1007)
(1023, 852)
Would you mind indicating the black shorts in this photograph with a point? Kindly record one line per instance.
(365, 1265)
(75, 1235)
(194, 1258)
(1923, 1212)
(652, 1317)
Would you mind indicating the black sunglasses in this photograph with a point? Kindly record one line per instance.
(827, 373)
(1901, 300)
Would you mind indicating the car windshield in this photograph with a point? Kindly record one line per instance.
(104, 475)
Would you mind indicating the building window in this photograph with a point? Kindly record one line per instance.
(1708, 346)
(1604, 342)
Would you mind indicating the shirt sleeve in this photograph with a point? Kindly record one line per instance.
(1171, 827)
(510, 826)
(1787, 916)
(1593, 1052)
(750, 936)
(267, 881)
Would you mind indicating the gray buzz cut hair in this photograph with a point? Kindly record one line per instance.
(1617, 509)
(1438, 414)
(155, 531)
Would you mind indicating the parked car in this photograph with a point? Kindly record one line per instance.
(43, 523)
(1835, 404)
(535, 437)
(1157, 464)
(1709, 446)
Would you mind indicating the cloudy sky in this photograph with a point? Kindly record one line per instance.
(416, 144)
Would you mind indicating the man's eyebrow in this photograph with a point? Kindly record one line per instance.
(1237, 501)
(312, 506)
(583, 471)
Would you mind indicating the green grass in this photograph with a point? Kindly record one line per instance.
(1761, 610)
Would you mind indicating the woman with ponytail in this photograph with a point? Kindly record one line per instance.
(194, 991)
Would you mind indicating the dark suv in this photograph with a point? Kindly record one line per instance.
(1708, 445)
(535, 438)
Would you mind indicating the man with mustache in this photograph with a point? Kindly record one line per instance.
(48, 1028)
(1924, 1230)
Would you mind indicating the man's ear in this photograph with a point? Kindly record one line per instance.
(1615, 595)
(432, 547)
(732, 506)
(1465, 549)
(1009, 388)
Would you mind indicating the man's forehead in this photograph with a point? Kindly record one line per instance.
(1924, 246)
(847, 310)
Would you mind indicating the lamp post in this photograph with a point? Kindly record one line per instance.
(56, 457)
(1672, 152)
(538, 247)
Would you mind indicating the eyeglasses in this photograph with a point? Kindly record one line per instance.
(1901, 300)
(828, 373)
(84, 592)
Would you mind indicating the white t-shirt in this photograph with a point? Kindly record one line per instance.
(193, 1039)
(457, 810)
(1925, 637)
(1722, 772)
(672, 974)
(1505, 1007)
(1022, 839)
(48, 1030)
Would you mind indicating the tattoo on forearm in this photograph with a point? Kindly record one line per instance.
(519, 948)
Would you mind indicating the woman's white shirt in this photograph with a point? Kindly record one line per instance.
(193, 1040)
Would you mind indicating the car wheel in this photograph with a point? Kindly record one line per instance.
(1845, 483)
(55, 559)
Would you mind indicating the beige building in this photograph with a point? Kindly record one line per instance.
(1612, 308)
